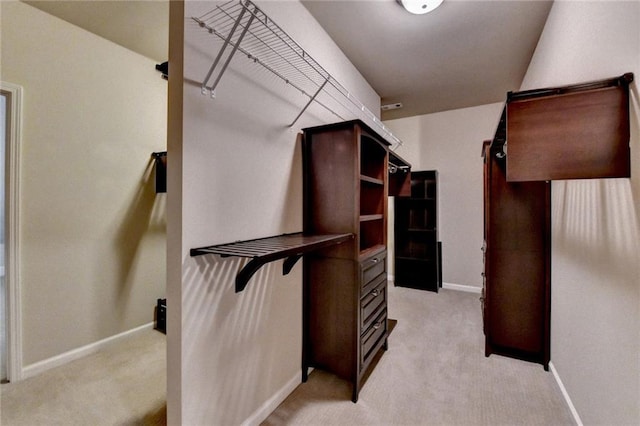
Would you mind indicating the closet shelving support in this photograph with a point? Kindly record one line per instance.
(243, 27)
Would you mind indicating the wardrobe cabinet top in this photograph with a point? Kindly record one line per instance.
(344, 125)
(571, 132)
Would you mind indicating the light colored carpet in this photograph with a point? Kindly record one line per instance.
(434, 373)
(124, 384)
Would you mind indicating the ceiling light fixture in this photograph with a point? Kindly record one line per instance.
(419, 7)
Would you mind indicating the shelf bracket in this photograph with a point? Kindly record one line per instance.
(290, 262)
(160, 159)
(245, 274)
(224, 47)
(313, 98)
(243, 277)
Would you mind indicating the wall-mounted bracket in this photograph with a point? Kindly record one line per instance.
(161, 171)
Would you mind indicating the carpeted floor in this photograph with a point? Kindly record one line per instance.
(434, 373)
(124, 384)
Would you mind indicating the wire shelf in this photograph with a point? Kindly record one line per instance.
(244, 27)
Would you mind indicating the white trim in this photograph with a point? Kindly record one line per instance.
(12, 234)
(58, 360)
(462, 287)
(450, 286)
(567, 399)
(272, 403)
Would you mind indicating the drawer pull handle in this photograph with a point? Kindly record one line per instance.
(375, 293)
(377, 325)
(375, 260)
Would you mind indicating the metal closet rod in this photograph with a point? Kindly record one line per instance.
(237, 21)
(394, 168)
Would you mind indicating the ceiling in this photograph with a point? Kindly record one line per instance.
(465, 53)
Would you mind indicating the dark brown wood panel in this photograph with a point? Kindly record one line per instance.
(332, 327)
(331, 197)
(517, 300)
(516, 293)
(569, 136)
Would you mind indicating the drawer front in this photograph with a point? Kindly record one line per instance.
(372, 337)
(368, 287)
(372, 303)
(371, 269)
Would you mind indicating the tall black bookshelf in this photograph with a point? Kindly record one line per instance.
(417, 249)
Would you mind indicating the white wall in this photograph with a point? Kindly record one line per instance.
(92, 228)
(595, 314)
(451, 142)
(239, 177)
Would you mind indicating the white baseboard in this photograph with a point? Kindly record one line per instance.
(272, 403)
(58, 360)
(450, 286)
(567, 399)
(462, 287)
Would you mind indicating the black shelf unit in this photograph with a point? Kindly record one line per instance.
(417, 249)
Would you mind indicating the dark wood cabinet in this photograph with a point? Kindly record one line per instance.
(345, 286)
(516, 278)
(417, 250)
(570, 132)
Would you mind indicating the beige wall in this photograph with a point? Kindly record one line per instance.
(232, 355)
(92, 229)
(451, 143)
(595, 314)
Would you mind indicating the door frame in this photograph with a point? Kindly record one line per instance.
(14, 94)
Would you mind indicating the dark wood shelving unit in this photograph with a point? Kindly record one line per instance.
(345, 287)
(290, 247)
(417, 249)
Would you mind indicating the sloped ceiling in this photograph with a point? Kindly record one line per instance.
(141, 26)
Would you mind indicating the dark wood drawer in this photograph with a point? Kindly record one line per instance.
(367, 288)
(372, 268)
(372, 303)
(373, 337)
